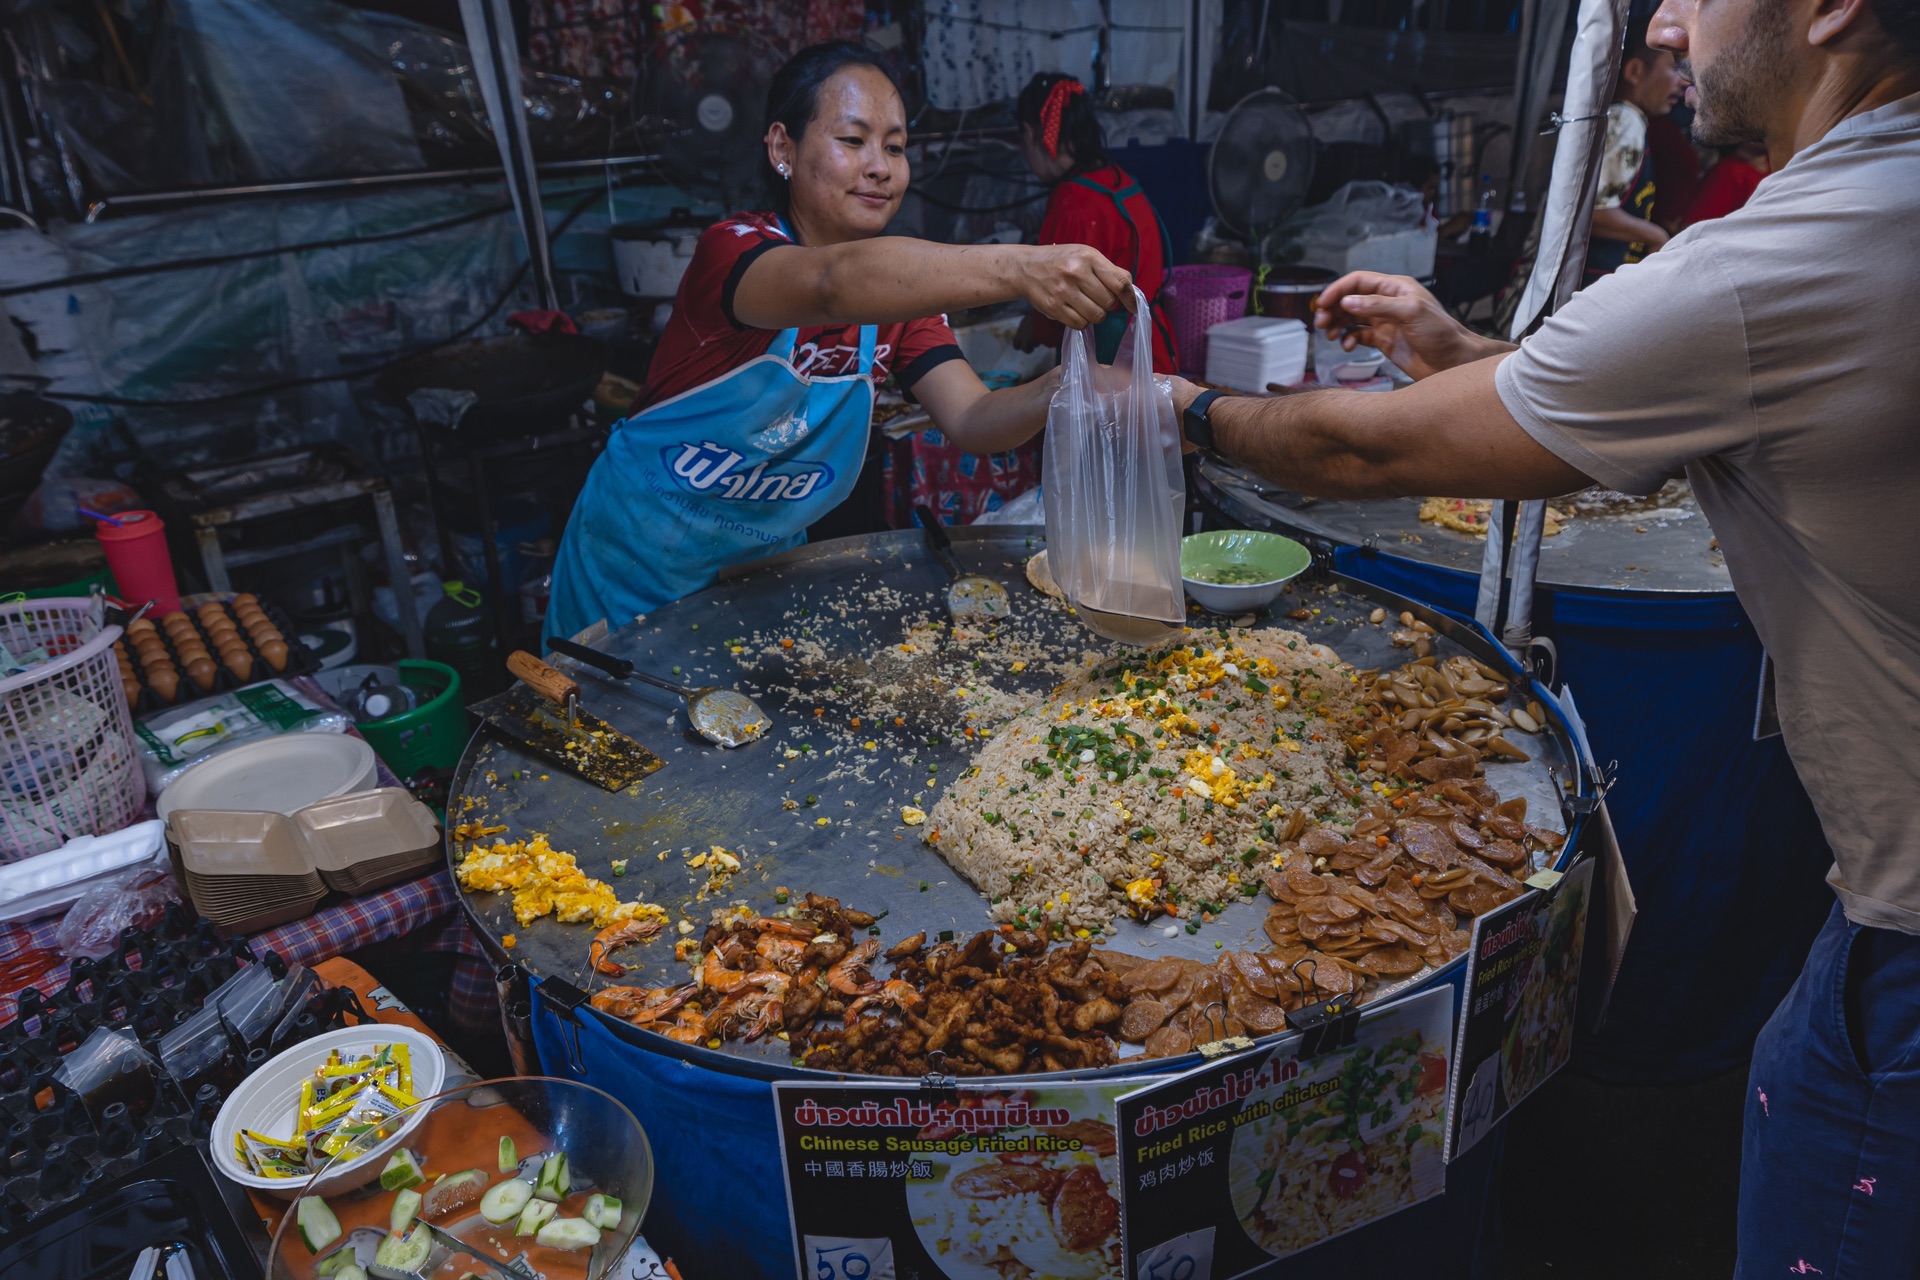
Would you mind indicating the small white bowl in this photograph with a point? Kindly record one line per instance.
(267, 1101)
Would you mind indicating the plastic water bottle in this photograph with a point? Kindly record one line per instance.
(459, 633)
(1480, 238)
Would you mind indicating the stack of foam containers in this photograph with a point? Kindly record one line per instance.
(1252, 352)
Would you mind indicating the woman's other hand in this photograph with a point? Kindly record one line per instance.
(1396, 316)
(1024, 340)
(1072, 284)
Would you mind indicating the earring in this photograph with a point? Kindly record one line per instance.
(785, 172)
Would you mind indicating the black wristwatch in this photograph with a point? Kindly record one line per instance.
(1195, 424)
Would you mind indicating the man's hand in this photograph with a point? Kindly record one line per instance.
(1395, 315)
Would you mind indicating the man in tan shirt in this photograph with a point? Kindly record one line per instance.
(1775, 355)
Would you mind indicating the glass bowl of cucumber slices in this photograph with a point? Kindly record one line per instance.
(526, 1178)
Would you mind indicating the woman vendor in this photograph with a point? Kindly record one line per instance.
(755, 417)
(1093, 203)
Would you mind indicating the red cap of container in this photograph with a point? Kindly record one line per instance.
(136, 550)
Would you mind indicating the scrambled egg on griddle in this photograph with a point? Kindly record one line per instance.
(545, 881)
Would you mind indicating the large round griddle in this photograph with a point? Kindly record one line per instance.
(866, 857)
(1670, 553)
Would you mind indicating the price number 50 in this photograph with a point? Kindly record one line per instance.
(840, 1258)
(1187, 1257)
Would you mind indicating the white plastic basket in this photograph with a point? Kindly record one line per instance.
(67, 761)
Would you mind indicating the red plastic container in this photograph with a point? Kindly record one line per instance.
(137, 553)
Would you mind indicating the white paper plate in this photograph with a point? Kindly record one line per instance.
(267, 1101)
(279, 775)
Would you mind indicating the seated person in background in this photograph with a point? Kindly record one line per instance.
(1729, 184)
(1623, 227)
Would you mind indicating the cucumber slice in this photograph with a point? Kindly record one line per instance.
(603, 1211)
(318, 1227)
(509, 1156)
(568, 1233)
(402, 1171)
(453, 1193)
(535, 1216)
(504, 1201)
(553, 1179)
(337, 1261)
(406, 1207)
(405, 1254)
(352, 1271)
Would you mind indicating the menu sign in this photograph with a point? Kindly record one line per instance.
(1516, 1023)
(1261, 1155)
(889, 1181)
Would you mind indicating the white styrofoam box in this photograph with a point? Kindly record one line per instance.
(268, 1101)
(1399, 253)
(1252, 351)
(46, 882)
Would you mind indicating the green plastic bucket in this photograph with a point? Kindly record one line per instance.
(434, 733)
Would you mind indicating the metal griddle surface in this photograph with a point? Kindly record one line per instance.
(706, 796)
(1594, 552)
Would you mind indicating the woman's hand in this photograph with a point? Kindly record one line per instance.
(1395, 315)
(1071, 283)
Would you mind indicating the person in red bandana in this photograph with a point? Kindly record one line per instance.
(1094, 202)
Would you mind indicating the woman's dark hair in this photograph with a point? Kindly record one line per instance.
(1079, 127)
(794, 96)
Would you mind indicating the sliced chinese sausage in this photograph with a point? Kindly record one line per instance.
(1252, 971)
(1504, 854)
(1169, 1042)
(1155, 975)
(1084, 1214)
(1283, 931)
(1260, 1016)
(1465, 836)
(1119, 961)
(1319, 842)
(1377, 869)
(1143, 1017)
(1428, 845)
(1301, 881)
(1476, 899)
(1391, 962)
(1329, 907)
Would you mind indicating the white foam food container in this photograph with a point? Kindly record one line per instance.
(276, 775)
(48, 881)
(268, 1101)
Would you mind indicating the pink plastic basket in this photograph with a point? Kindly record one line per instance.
(1198, 297)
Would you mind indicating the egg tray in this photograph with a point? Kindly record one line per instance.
(301, 660)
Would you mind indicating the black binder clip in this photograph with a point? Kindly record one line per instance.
(1222, 1044)
(1326, 1024)
(565, 1000)
(937, 1083)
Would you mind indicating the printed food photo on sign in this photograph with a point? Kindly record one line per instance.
(1264, 1154)
(1367, 1144)
(1539, 1034)
(1024, 1215)
(982, 1185)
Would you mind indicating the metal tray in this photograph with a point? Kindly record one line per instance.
(706, 796)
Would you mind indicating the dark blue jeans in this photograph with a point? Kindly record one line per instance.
(1830, 1154)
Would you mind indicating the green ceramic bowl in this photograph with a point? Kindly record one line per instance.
(1234, 570)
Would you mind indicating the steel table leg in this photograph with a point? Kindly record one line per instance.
(397, 572)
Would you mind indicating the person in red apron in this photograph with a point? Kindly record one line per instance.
(1094, 202)
(755, 417)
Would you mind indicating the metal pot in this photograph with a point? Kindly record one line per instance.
(1288, 292)
(650, 257)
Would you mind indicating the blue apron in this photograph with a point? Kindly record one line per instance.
(733, 470)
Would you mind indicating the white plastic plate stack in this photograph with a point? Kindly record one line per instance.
(1253, 351)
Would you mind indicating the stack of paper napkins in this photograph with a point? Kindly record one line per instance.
(1248, 353)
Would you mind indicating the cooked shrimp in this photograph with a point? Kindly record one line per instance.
(615, 936)
(849, 977)
(901, 995)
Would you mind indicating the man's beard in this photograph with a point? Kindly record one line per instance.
(1731, 97)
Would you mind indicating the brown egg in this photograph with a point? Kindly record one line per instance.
(202, 671)
(166, 683)
(175, 620)
(246, 597)
(139, 625)
(275, 652)
(227, 641)
(147, 653)
(221, 626)
(187, 646)
(240, 663)
(132, 689)
(266, 635)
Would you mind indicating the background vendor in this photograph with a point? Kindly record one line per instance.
(1093, 202)
(757, 409)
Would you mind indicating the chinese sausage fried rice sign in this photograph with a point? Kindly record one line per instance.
(888, 1180)
(1259, 1156)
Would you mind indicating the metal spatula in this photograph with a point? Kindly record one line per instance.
(971, 596)
(724, 717)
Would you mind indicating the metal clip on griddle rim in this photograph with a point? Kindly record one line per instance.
(1328, 1023)
(937, 1081)
(1222, 1045)
(566, 999)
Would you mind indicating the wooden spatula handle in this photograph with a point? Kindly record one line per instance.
(541, 678)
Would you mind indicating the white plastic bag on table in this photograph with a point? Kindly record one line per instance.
(1114, 491)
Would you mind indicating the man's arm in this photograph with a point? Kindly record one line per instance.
(1618, 224)
(1446, 434)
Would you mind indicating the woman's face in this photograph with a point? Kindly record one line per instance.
(849, 168)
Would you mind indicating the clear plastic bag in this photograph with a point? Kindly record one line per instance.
(93, 924)
(1114, 491)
